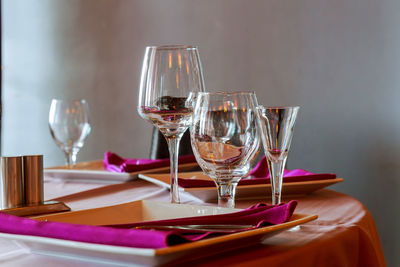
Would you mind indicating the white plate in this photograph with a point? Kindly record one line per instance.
(140, 211)
(89, 176)
(94, 172)
(242, 191)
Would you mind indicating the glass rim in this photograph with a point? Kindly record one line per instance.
(69, 100)
(172, 47)
(277, 107)
(227, 93)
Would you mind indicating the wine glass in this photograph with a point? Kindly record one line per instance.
(69, 126)
(170, 77)
(276, 126)
(225, 139)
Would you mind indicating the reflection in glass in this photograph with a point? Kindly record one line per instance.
(170, 77)
(69, 126)
(276, 128)
(225, 139)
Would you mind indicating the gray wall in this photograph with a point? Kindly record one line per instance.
(339, 60)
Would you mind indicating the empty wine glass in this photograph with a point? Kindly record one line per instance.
(225, 139)
(276, 126)
(69, 126)
(170, 76)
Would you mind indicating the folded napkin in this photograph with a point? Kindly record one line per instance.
(260, 175)
(259, 214)
(115, 163)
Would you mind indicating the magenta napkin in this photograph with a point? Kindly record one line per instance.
(115, 163)
(259, 214)
(260, 175)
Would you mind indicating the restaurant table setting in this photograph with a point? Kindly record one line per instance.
(219, 205)
(137, 235)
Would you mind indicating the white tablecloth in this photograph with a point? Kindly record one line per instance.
(80, 196)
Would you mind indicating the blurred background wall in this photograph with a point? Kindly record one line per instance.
(339, 60)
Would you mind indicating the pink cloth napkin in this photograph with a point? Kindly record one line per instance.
(115, 163)
(296, 175)
(260, 175)
(259, 214)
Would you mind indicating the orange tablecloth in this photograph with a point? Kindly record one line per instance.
(343, 235)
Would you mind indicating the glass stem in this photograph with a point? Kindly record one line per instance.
(70, 158)
(276, 169)
(226, 194)
(173, 146)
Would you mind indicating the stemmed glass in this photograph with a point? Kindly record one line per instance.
(170, 77)
(276, 126)
(225, 139)
(69, 126)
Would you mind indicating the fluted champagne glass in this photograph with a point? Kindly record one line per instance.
(225, 139)
(171, 75)
(276, 126)
(69, 126)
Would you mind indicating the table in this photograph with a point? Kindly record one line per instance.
(343, 235)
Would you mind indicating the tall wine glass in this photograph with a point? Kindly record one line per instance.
(225, 139)
(69, 126)
(276, 126)
(170, 77)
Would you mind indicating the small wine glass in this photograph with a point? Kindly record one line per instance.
(170, 77)
(69, 126)
(276, 126)
(225, 139)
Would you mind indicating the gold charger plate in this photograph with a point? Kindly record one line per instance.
(242, 191)
(144, 211)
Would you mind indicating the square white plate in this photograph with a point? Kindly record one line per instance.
(143, 211)
(94, 172)
(207, 194)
